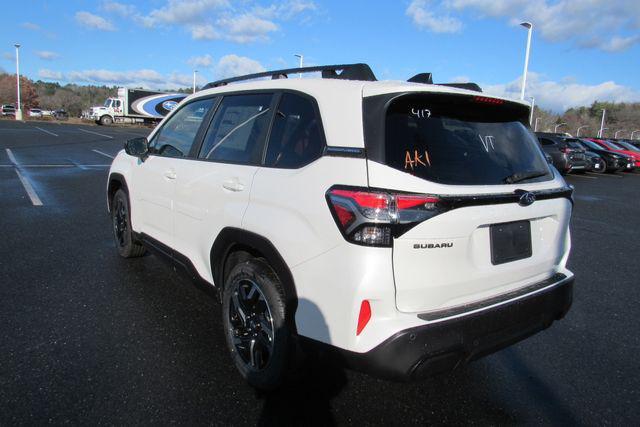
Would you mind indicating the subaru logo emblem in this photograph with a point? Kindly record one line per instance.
(169, 105)
(526, 199)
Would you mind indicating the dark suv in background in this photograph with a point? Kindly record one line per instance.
(565, 157)
(614, 162)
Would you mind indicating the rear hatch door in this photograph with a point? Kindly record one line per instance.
(477, 155)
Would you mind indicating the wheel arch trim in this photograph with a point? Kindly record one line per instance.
(231, 237)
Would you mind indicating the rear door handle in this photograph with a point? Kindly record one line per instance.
(170, 174)
(233, 184)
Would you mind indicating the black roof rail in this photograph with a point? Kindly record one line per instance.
(468, 86)
(426, 78)
(347, 72)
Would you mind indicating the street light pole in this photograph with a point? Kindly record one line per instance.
(529, 26)
(578, 131)
(301, 58)
(615, 135)
(602, 124)
(194, 80)
(555, 130)
(535, 127)
(533, 104)
(18, 109)
(631, 137)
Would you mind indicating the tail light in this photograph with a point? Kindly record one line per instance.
(566, 150)
(374, 218)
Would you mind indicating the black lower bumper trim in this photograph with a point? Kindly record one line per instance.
(444, 346)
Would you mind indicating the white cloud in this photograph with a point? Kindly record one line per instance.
(47, 55)
(200, 61)
(240, 22)
(428, 20)
(588, 23)
(204, 32)
(184, 11)
(119, 8)
(31, 26)
(247, 28)
(559, 96)
(50, 74)
(234, 65)
(95, 22)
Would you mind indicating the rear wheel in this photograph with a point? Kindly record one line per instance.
(122, 232)
(253, 310)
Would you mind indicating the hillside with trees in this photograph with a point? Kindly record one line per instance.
(76, 98)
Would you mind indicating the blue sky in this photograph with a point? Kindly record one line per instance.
(582, 50)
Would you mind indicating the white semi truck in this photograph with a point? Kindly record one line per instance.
(135, 106)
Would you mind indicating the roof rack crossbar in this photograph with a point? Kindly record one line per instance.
(348, 72)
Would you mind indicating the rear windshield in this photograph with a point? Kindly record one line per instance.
(462, 140)
(614, 145)
(574, 143)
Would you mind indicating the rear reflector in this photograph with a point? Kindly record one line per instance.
(364, 316)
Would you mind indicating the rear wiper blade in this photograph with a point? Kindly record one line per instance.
(523, 176)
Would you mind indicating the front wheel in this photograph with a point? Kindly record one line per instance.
(122, 232)
(253, 310)
(106, 120)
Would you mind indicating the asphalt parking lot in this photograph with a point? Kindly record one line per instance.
(88, 338)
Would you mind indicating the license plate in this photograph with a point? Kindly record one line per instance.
(597, 166)
(510, 241)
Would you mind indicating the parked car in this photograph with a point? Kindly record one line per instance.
(614, 162)
(612, 146)
(35, 112)
(372, 219)
(8, 110)
(627, 146)
(595, 162)
(60, 115)
(565, 158)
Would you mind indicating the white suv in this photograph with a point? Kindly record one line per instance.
(405, 227)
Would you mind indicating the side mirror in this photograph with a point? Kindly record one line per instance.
(137, 147)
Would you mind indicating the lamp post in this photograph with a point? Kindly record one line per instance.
(615, 135)
(555, 129)
(529, 26)
(578, 131)
(301, 58)
(631, 137)
(194, 80)
(602, 128)
(533, 104)
(18, 109)
(535, 127)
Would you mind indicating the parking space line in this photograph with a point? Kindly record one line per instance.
(96, 133)
(12, 159)
(35, 200)
(607, 175)
(104, 154)
(582, 176)
(45, 131)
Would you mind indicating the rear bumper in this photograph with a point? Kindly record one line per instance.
(448, 344)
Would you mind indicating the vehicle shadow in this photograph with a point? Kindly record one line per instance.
(315, 380)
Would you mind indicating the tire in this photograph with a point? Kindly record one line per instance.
(121, 224)
(604, 167)
(106, 120)
(256, 331)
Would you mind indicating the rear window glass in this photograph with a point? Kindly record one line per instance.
(459, 140)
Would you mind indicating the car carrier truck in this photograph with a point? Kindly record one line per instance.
(135, 106)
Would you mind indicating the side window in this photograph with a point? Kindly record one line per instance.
(238, 129)
(296, 139)
(546, 141)
(177, 135)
